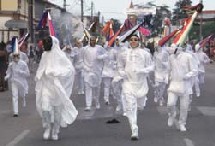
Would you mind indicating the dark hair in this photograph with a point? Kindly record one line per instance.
(47, 43)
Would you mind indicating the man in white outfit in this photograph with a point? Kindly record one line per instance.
(54, 79)
(203, 59)
(108, 72)
(18, 73)
(181, 72)
(78, 64)
(161, 59)
(134, 68)
(93, 56)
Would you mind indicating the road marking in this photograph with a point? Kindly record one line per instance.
(207, 111)
(18, 138)
(188, 142)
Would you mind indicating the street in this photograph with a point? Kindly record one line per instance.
(91, 129)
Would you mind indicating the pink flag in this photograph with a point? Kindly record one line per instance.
(50, 25)
(144, 31)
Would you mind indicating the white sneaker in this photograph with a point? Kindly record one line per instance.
(155, 100)
(198, 94)
(182, 128)
(97, 105)
(46, 133)
(118, 108)
(54, 136)
(171, 121)
(87, 108)
(161, 103)
(134, 135)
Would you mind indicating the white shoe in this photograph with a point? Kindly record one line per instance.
(134, 135)
(87, 108)
(161, 103)
(171, 121)
(97, 105)
(182, 128)
(118, 108)
(55, 136)
(46, 134)
(198, 94)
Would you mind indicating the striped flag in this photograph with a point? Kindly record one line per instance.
(23, 39)
(203, 42)
(46, 19)
(187, 25)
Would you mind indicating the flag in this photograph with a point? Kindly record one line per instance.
(203, 42)
(46, 19)
(108, 29)
(165, 39)
(23, 39)
(144, 31)
(15, 46)
(129, 33)
(43, 21)
(187, 25)
(50, 25)
(111, 41)
(92, 27)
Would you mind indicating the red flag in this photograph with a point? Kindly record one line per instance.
(144, 31)
(50, 25)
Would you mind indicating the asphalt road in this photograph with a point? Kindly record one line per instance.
(90, 129)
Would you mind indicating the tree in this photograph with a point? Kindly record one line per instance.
(178, 12)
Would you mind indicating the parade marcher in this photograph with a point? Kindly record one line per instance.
(161, 59)
(3, 66)
(108, 72)
(194, 79)
(69, 54)
(181, 72)
(78, 64)
(23, 56)
(93, 56)
(18, 73)
(117, 80)
(203, 59)
(54, 79)
(134, 69)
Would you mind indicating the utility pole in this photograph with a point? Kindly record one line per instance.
(92, 5)
(30, 20)
(64, 5)
(82, 10)
(200, 28)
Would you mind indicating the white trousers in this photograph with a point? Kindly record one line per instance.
(107, 87)
(159, 90)
(90, 93)
(201, 76)
(171, 104)
(79, 82)
(53, 116)
(16, 91)
(131, 110)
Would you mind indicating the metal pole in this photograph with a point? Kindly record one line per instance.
(91, 12)
(200, 28)
(30, 20)
(82, 10)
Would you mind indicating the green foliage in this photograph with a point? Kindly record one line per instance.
(178, 12)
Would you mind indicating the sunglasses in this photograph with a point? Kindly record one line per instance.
(134, 39)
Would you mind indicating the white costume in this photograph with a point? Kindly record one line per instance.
(78, 64)
(108, 72)
(23, 56)
(203, 59)
(18, 73)
(93, 64)
(117, 80)
(54, 80)
(181, 72)
(161, 59)
(134, 68)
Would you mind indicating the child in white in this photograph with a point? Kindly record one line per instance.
(18, 72)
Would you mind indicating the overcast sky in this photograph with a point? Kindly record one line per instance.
(116, 8)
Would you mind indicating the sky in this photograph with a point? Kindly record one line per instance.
(116, 8)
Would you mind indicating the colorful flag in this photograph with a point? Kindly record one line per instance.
(23, 39)
(46, 19)
(144, 31)
(111, 41)
(187, 25)
(50, 25)
(203, 42)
